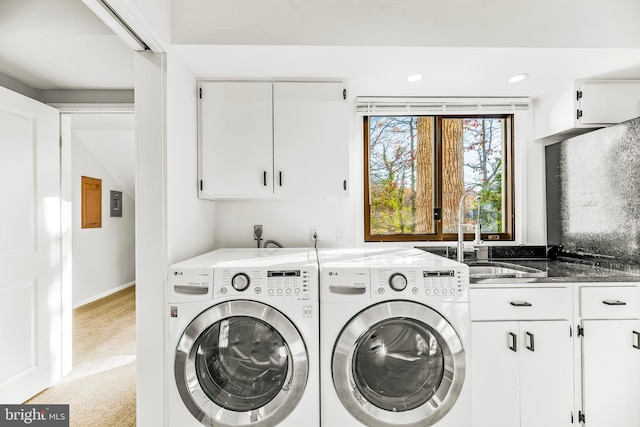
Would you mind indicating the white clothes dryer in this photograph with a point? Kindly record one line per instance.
(243, 339)
(395, 338)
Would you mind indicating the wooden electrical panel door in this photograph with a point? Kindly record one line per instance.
(91, 202)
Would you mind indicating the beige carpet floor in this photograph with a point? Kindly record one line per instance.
(101, 388)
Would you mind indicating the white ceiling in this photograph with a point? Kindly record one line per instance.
(61, 44)
(464, 47)
(111, 139)
(417, 23)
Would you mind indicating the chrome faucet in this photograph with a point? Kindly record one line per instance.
(477, 236)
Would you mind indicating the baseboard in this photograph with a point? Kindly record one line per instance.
(103, 294)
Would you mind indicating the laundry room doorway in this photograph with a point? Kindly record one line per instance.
(98, 246)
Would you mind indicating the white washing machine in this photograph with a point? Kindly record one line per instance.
(395, 338)
(243, 339)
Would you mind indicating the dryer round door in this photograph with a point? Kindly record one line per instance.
(241, 363)
(398, 363)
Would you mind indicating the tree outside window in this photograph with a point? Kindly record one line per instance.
(419, 167)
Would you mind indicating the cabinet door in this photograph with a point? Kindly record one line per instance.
(311, 139)
(236, 140)
(546, 374)
(495, 383)
(609, 102)
(611, 373)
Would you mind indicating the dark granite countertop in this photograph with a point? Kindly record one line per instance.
(559, 269)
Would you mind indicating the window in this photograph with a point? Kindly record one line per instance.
(418, 167)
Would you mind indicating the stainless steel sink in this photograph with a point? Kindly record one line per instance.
(489, 269)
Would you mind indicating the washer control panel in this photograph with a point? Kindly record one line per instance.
(295, 284)
(439, 283)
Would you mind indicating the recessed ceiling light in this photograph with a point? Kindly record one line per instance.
(518, 78)
(415, 77)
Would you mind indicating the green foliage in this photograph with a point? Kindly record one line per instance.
(392, 156)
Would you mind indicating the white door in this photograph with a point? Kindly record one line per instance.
(495, 381)
(311, 139)
(546, 374)
(608, 102)
(611, 373)
(30, 283)
(236, 140)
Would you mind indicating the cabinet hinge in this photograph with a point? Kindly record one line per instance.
(200, 185)
(344, 94)
(580, 331)
(200, 93)
(578, 95)
(581, 417)
(578, 114)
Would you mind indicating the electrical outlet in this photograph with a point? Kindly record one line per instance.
(313, 233)
(340, 232)
(257, 232)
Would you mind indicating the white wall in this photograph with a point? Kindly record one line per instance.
(103, 258)
(286, 221)
(190, 221)
(289, 221)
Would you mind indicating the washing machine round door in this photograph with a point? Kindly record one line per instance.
(241, 363)
(398, 363)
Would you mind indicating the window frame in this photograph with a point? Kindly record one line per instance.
(508, 160)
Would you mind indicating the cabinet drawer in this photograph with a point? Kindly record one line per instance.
(520, 304)
(614, 302)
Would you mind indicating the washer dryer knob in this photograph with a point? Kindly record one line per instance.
(398, 282)
(240, 282)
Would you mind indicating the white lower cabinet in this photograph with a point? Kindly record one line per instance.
(522, 370)
(563, 355)
(522, 374)
(610, 356)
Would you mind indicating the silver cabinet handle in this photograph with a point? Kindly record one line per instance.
(513, 346)
(614, 302)
(637, 344)
(520, 304)
(531, 345)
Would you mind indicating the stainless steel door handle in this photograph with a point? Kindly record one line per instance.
(513, 346)
(520, 304)
(531, 345)
(614, 302)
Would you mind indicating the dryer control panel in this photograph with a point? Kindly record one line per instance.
(298, 284)
(432, 283)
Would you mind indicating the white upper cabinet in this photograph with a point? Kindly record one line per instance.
(584, 106)
(311, 129)
(273, 139)
(236, 155)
